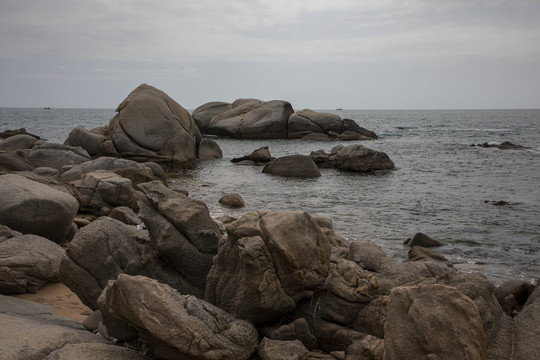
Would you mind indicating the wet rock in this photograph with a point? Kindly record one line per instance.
(419, 253)
(300, 166)
(258, 157)
(353, 158)
(209, 150)
(420, 239)
(232, 200)
(177, 326)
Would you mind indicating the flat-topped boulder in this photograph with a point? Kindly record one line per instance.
(353, 158)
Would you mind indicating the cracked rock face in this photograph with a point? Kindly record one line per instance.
(268, 262)
(436, 321)
(177, 326)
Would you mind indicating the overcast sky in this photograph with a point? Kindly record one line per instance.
(318, 54)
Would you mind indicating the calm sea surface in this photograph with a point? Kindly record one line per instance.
(439, 187)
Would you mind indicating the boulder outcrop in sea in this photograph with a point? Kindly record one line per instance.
(167, 281)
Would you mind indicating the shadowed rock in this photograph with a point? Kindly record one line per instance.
(353, 158)
(278, 258)
(176, 326)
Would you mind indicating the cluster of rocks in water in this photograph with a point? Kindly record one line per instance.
(165, 280)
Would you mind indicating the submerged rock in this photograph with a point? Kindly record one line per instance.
(353, 158)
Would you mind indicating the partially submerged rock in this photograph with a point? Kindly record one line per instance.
(301, 166)
(259, 157)
(353, 158)
(232, 200)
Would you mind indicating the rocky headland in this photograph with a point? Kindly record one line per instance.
(162, 279)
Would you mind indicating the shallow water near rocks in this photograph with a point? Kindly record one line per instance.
(442, 186)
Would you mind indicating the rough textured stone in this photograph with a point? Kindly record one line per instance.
(177, 326)
(34, 208)
(136, 172)
(278, 258)
(106, 248)
(30, 331)
(301, 166)
(92, 142)
(102, 188)
(297, 330)
(349, 288)
(28, 262)
(434, 321)
(369, 348)
(282, 350)
(95, 351)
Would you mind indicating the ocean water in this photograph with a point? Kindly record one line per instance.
(442, 186)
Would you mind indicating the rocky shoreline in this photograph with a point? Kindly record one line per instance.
(164, 280)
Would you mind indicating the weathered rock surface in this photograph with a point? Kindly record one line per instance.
(233, 200)
(433, 321)
(307, 123)
(353, 158)
(252, 119)
(204, 113)
(92, 141)
(34, 208)
(106, 248)
(280, 258)
(24, 153)
(134, 171)
(301, 166)
(182, 233)
(30, 331)
(270, 349)
(22, 131)
(125, 215)
(28, 262)
(176, 326)
(101, 188)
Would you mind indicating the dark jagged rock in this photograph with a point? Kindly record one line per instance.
(22, 131)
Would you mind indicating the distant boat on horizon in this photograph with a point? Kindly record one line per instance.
(47, 108)
(339, 109)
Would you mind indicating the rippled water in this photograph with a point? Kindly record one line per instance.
(440, 185)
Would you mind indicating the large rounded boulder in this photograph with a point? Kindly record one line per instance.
(253, 119)
(301, 166)
(34, 208)
(151, 126)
